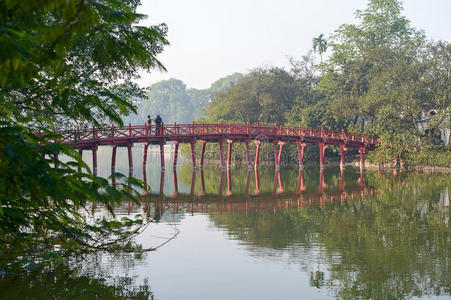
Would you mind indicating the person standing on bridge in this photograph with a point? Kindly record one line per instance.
(148, 125)
(158, 122)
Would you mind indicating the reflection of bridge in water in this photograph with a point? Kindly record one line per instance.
(226, 202)
(226, 176)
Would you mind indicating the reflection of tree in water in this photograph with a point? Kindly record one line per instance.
(91, 277)
(392, 244)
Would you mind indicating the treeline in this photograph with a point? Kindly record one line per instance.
(380, 76)
(174, 102)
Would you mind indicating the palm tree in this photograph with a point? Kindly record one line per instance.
(320, 45)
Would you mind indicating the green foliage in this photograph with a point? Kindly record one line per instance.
(382, 78)
(59, 62)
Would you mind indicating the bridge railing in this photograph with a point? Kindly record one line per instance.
(201, 129)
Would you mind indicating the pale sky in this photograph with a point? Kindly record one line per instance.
(214, 38)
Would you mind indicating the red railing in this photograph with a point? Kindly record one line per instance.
(201, 130)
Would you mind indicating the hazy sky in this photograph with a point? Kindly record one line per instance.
(214, 38)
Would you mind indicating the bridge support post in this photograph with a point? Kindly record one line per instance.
(322, 154)
(94, 161)
(162, 156)
(229, 153)
(193, 153)
(130, 160)
(362, 157)
(248, 155)
(202, 183)
(278, 153)
(229, 183)
(80, 151)
(202, 153)
(301, 149)
(257, 183)
(176, 153)
(176, 187)
(257, 152)
(146, 146)
(221, 154)
(342, 155)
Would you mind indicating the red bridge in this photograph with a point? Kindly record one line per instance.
(91, 138)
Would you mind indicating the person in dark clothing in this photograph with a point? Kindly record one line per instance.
(148, 125)
(158, 122)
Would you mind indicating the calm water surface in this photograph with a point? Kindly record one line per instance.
(270, 235)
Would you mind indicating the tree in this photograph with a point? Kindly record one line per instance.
(320, 45)
(60, 62)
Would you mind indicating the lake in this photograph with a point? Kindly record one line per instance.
(263, 234)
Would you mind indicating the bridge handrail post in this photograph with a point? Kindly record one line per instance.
(193, 128)
(95, 133)
(129, 129)
(162, 128)
(247, 127)
(175, 128)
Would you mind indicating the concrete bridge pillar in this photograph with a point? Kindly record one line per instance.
(94, 161)
(202, 182)
(221, 153)
(229, 183)
(202, 153)
(257, 152)
(248, 155)
(362, 157)
(278, 153)
(176, 187)
(80, 151)
(257, 183)
(229, 153)
(342, 155)
(322, 154)
(162, 143)
(144, 162)
(176, 152)
(193, 153)
(301, 148)
(130, 160)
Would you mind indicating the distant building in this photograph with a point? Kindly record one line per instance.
(445, 132)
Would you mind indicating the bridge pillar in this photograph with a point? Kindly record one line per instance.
(257, 152)
(342, 183)
(229, 183)
(80, 151)
(202, 183)
(362, 157)
(202, 153)
(278, 153)
(113, 165)
(56, 160)
(301, 148)
(322, 182)
(221, 153)
(229, 153)
(176, 152)
(248, 155)
(193, 153)
(130, 160)
(94, 161)
(322, 154)
(342, 155)
(257, 183)
(162, 182)
(146, 146)
(176, 187)
(162, 143)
